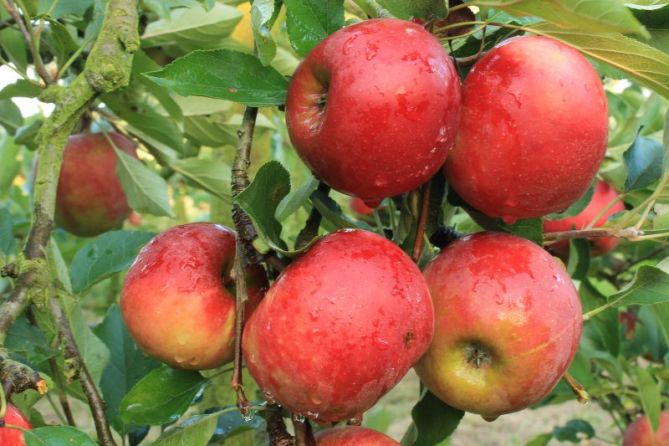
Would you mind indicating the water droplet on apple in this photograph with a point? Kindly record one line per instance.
(312, 415)
(247, 417)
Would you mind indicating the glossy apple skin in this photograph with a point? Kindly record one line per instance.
(390, 113)
(511, 302)
(339, 327)
(603, 195)
(175, 302)
(640, 433)
(353, 436)
(533, 130)
(90, 199)
(10, 436)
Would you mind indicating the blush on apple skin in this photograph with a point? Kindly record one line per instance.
(339, 327)
(373, 109)
(603, 195)
(353, 436)
(90, 199)
(11, 436)
(533, 130)
(507, 324)
(640, 432)
(175, 302)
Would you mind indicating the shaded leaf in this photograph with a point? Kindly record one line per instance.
(650, 286)
(644, 163)
(10, 116)
(195, 431)
(212, 176)
(574, 431)
(7, 240)
(56, 436)
(263, 15)
(434, 420)
(651, 396)
(296, 198)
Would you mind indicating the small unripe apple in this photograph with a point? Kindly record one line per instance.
(353, 436)
(90, 199)
(339, 327)
(507, 324)
(533, 130)
(175, 299)
(11, 436)
(602, 197)
(373, 109)
(640, 432)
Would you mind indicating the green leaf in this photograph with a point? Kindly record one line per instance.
(193, 27)
(263, 15)
(231, 424)
(56, 436)
(296, 198)
(224, 74)
(196, 431)
(606, 322)
(644, 162)
(25, 135)
(10, 116)
(656, 21)
(540, 440)
(28, 341)
(146, 190)
(212, 176)
(10, 162)
(332, 212)
(61, 8)
(141, 63)
(650, 392)
(109, 253)
(435, 420)
(579, 258)
(646, 64)
(398, 8)
(574, 431)
(7, 240)
(161, 397)
(261, 198)
(127, 363)
(593, 15)
(20, 88)
(650, 286)
(577, 207)
(57, 266)
(310, 21)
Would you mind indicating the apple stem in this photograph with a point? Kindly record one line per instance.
(582, 395)
(422, 222)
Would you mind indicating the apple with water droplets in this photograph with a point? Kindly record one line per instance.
(339, 327)
(10, 436)
(373, 109)
(178, 298)
(604, 204)
(533, 130)
(507, 324)
(640, 432)
(90, 199)
(353, 436)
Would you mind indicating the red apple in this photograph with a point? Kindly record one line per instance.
(640, 433)
(507, 324)
(533, 131)
(602, 197)
(359, 207)
(11, 436)
(175, 300)
(373, 109)
(353, 436)
(339, 327)
(90, 199)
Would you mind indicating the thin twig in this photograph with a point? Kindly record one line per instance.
(626, 233)
(245, 252)
(73, 356)
(276, 428)
(304, 434)
(10, 6)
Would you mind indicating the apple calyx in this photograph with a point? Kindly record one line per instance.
(477, 355)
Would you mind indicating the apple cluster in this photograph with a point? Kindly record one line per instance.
(491, 324)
